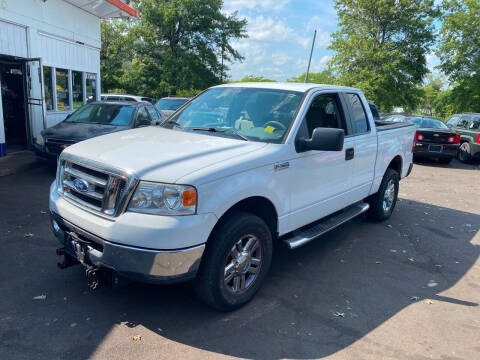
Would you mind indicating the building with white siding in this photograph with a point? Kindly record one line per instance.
(49, 62)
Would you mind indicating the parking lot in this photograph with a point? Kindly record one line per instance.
(408, 288)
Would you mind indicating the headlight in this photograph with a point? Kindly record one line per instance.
(40, 140)
(164, 199)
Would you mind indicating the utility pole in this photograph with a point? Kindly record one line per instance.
(310, 59)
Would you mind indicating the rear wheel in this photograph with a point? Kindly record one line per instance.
(235, 263)
(383, 202)
(464, 153)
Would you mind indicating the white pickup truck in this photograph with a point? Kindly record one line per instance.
(236, 171)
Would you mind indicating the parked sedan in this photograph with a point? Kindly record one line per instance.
(434, 139)
(468, 127)
(92, 120)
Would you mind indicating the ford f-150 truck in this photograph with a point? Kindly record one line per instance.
(238, 170)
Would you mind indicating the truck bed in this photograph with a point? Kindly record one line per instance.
(389, 125)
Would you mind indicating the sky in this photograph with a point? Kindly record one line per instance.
(280, 37)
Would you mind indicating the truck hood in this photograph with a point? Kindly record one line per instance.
(159, 154)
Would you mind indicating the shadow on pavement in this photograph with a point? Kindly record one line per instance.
(368, 272)
(455, 164)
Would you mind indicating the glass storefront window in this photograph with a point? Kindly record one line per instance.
(77, 89)
(47, 87)
(91, 84)
(63, 96)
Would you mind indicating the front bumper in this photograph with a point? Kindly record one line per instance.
(434, 150)
(42, 154)
(148, 265)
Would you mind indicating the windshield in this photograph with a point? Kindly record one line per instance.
(428, 123)
(106, 114)
(255, 114)
(170, 104)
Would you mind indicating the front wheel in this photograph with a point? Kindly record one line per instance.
(235, 263)
(383, 202)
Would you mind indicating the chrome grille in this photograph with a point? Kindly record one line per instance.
(94, 187)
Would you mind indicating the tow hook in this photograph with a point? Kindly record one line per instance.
(67, 259)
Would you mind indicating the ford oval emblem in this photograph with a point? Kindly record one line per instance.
(80, 185)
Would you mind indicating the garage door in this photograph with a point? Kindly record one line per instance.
(13, 40)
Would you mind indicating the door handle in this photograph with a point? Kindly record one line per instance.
(349, 154)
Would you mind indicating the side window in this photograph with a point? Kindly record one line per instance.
(153, 113)
(142, 117)
(475, 125)
(359, 117)
(453, 121)
(463, 122)
(324, 112)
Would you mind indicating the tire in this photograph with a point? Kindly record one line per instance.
(377, 211)
(464, 153)
(223, 256)
(445, 161)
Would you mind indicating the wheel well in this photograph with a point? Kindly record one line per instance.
(259, 206)
(396, 164)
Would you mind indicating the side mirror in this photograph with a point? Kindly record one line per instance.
(323, 139)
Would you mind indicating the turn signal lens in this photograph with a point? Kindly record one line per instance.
(478, 139)
(189, 197)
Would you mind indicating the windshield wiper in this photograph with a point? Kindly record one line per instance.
(173, 122)
(220, 130)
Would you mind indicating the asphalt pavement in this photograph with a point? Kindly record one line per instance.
(408, 288)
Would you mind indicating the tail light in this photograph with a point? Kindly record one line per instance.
(419, 137)
(414, 142)
(454, 139)
(478, 139)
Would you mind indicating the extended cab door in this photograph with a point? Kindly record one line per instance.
(320, 180)
(363, 139)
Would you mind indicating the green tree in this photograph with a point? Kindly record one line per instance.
(176, 45)
(185, 44)
(115, 53)
(324, 77)
(381, 48)
(253, 78)
(459, 53)
(430, 94)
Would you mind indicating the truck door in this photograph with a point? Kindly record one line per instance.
(364, 146)
(320, 180)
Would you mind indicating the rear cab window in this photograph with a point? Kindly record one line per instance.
(359, 117)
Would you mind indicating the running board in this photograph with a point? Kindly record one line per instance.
(310, 232)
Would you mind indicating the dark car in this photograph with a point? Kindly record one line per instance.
(91, 120)
(468, 127)
(434, 139)
(168, 105)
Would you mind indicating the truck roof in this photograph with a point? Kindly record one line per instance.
(300, 87)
